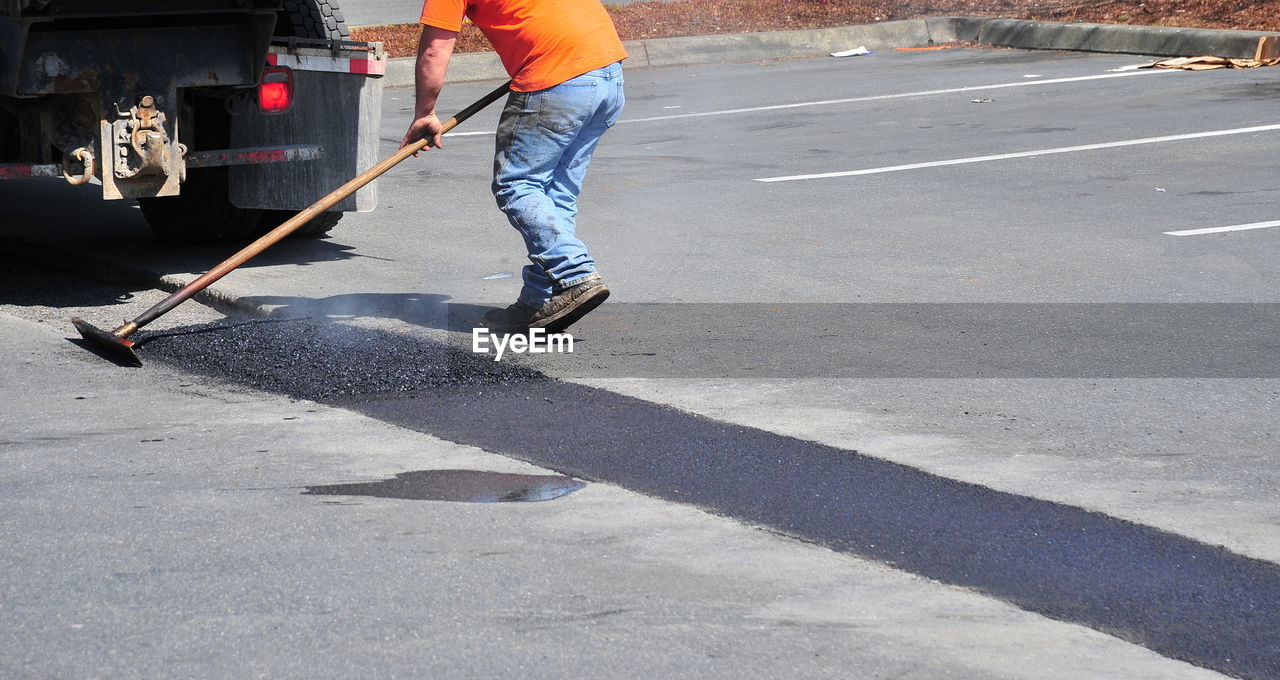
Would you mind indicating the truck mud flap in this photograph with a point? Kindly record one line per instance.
(337, 106)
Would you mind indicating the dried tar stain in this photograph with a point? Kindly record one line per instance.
(465, 486)
(320, 360)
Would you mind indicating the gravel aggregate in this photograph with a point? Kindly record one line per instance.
(310, 359)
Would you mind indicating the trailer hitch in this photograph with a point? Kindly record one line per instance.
(142, 144)
(84, 157)
(139, 156)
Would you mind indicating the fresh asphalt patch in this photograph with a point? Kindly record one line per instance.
(316, 360)
(1181, 598)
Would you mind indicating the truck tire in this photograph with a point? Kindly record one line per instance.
(308, 19)
(311, 19)
(202, 213)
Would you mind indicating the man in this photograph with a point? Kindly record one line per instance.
(564, 57)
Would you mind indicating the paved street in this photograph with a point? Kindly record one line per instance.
(373, 12)
(950, 399)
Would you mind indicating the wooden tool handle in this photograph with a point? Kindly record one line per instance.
(275, 235)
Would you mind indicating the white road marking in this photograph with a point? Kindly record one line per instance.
(869, 98)
(1025, 154)
(883, 97)
(1219, 230)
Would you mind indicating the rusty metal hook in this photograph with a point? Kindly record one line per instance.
(85, 157)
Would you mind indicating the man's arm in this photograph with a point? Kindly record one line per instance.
(434, 49)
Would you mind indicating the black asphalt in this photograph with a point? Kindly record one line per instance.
(316, 360)
(1183, 599)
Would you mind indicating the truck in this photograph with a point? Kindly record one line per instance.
(221, 118)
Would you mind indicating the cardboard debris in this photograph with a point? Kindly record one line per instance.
(1268, 48)
(856, 51)
(1267, 54)
(1207, 63)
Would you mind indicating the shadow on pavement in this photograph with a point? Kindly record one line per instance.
(85, 225)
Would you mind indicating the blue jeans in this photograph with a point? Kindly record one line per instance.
(545, 142)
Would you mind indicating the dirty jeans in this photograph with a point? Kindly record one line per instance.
(545, 142)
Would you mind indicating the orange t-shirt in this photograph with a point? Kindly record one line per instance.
(542, 43)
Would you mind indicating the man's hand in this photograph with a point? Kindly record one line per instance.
(435, 47)
(426, 127)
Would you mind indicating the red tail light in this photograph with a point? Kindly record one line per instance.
(275, 94)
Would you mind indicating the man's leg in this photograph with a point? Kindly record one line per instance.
(544, 145)
(566, 181)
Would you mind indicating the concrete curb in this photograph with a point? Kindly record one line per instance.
(1160, 41)
(1156, 41)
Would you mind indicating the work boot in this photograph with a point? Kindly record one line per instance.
(566, 306)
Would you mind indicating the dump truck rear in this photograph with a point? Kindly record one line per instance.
(221, 118)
